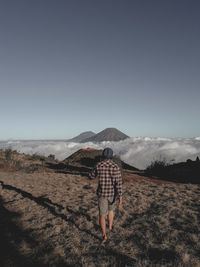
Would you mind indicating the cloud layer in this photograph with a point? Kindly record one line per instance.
(137, 151)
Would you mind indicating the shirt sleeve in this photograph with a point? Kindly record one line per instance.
(118, 180)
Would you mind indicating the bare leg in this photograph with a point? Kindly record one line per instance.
(103, 227)
(110, 219)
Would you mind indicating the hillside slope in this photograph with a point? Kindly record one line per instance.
(81, 137)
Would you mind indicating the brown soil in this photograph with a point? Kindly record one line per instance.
(51, 219)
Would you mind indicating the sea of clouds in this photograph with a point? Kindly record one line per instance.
(137, 151)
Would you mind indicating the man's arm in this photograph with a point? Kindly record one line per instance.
(93, 174)
(118, 182)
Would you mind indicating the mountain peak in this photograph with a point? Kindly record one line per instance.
(82, 136)
(108, 134)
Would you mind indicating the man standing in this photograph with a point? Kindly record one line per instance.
(109, 187)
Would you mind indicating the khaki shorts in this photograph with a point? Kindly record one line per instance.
(105, 205)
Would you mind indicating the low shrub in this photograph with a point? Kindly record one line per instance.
(8, 155)
(157, 167)
(37, 157)
(51, 157)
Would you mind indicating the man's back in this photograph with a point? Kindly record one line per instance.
(109, 175)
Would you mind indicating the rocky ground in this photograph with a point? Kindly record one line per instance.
(51, 219)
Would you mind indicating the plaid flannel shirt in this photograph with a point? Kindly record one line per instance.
(109, 175)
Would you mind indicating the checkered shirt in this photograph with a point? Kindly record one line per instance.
(109, 174)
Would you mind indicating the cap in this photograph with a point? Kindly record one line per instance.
(107, 153)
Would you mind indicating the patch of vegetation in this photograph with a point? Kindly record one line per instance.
(182, 172)
(51, 157)
(32, 168)
(37, 157)
(157, 167)
(8, 155)
(11, 160)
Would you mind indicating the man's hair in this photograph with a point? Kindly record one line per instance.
(107, 153)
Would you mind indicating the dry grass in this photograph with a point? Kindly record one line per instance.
(51, 219)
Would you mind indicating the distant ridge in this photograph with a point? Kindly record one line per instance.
(85, 159)
(109, 134)
(79, 138)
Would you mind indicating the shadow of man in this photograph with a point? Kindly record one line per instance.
(51, 206)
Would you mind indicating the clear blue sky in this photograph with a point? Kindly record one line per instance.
(68, 66)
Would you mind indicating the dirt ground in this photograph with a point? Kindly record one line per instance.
(51, 219)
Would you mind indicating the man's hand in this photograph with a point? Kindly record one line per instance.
(120, 202)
